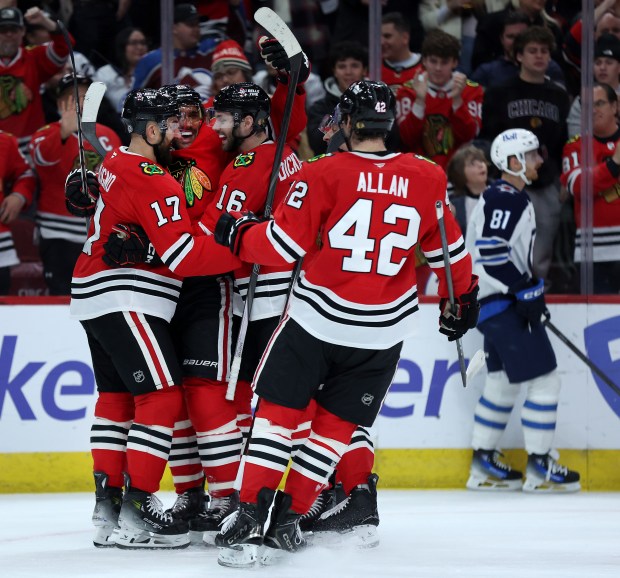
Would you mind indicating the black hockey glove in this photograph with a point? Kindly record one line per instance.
(231, 227)
(128, 245)
(456, 324)
(80, 203)
(530, 295)
(274, 54)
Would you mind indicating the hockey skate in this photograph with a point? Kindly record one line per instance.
(144, 524)
(206, 525)
(241, 536)
(353, 521)
(283, 535)
(326, 500)
(189, 505)
(489, 472)
(107, 508)
(545, 474)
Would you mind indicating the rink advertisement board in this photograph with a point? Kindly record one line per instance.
(47, 387)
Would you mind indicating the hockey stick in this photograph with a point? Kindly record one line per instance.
(76, 95)
(92, 101)
(595, 368)
(446, 262)
(273, 24)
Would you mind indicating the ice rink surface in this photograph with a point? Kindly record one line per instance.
(432, 534)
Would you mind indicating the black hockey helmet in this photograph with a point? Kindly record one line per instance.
(370, 105)
(66, 82)
(183, 94)
(243, 99)
(147, 104)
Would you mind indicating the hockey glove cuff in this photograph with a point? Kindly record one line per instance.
(81, 203)
(274, 55)
(530, 296)
(231, 227)
(465, 317)
(129, 245)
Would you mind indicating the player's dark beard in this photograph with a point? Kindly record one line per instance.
(162, 154)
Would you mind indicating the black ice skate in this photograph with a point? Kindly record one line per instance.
(354, 520)
(326, 500)
(283, 535)
(545, 474)
(206, 525)
(144, 524)
(489, 472)
(241, 535)
(107, 508)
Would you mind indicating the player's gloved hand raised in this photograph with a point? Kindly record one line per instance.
(231, 227)
(129, 245)
(81, 203)
(456, 324)
(530, 295)
(273, 53)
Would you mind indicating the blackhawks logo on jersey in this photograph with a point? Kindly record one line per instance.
(244, 160)
(193, 180)
(91, 158)
(151, 169)
(15, 96)
(438, 138)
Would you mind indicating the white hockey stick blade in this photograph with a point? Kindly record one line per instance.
(92, 101)
(273, 24)
(476, 363)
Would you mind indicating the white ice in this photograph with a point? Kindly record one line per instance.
(425, 534)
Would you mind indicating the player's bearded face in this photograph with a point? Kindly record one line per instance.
(162, 150)
(225, 128)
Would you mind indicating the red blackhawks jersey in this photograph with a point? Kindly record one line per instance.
(21, 109)
(136, 190)
(606, 207)
(397, 76)
(53, 160)
(243, 187)
(369, 211)
(438, 130)
(16, 176)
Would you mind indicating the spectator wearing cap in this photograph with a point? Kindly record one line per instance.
(55, 152)
(606, 189)
(23, 71)
(606, 70)
(192, 57)
(17, 186)
(230, 66)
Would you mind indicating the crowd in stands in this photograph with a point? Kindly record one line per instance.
(462, 72)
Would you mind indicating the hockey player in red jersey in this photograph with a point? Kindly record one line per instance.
(17, 186)
(606, 189)
(349, 311)
(54, 152)
(446, 111)
(126, 313)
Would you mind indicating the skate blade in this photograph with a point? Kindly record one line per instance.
(208, 537)
(271, 556)
(545, 487)
(359, 537)
(195, 538)
(148, 540)
(242, 556)
(104, 537)
(486, 484)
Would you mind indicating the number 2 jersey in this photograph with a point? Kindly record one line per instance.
(136, 190)
(356, 218)
(500, 238)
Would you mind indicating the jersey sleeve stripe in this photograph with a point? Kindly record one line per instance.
(177, 252)
(288, 249)
(456, 251)
(572, 179)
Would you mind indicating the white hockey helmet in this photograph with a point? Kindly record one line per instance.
(513, 143)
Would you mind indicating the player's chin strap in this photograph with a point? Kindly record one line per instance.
(345, 137)
(521, 173)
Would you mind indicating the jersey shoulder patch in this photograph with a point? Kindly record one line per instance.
(573, 139)
(471, 83)
(319, 157)
(244, 160)
(151, 169)
(422, 158)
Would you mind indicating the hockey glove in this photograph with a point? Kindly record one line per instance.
(231, 227)
(128, 245)
(274, 54)
(80, 203)
(456, 324)
(530, 295)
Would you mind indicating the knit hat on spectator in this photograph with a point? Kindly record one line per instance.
(187, 13)
(11, 17)
(608, 45)
(229, 53)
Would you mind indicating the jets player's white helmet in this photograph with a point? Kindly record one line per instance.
(513, 143)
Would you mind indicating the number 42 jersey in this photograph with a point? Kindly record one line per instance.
(356, 218)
